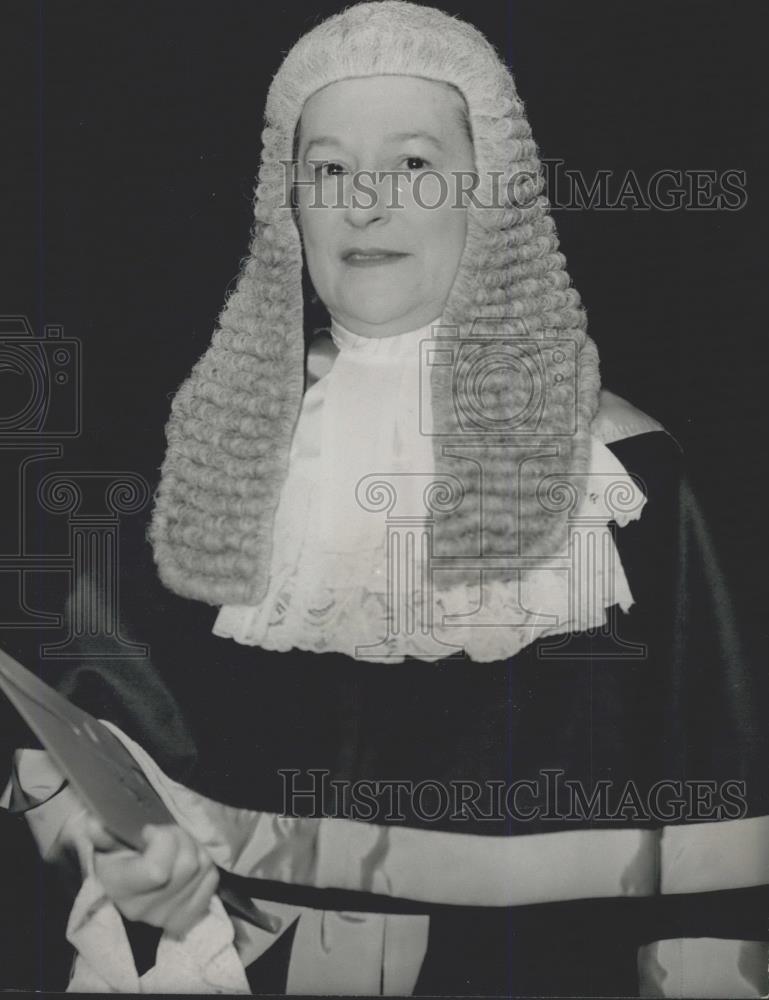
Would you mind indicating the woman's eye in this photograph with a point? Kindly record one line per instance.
(330, 169)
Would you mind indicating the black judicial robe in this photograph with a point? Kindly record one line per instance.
(229, 720)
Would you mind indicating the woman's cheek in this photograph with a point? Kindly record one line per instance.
(430, 191)
(316, 242)
(446, 236)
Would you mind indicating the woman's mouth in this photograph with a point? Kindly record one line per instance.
(371, 258)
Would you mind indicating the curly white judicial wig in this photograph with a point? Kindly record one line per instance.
(512, 413)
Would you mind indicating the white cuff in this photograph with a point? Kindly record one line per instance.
(703, 967)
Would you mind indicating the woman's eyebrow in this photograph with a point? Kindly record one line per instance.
(327, 140)
(322, 140)
(404, 136)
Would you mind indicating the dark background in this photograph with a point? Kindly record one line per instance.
(129, 162)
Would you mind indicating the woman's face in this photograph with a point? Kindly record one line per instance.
(382, 248)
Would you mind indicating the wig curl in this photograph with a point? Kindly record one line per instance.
(232, 420)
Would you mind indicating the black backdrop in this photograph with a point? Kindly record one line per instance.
(134, 140)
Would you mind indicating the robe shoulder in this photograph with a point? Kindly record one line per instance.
(617, 419)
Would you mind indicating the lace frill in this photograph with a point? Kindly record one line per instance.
(357, 614)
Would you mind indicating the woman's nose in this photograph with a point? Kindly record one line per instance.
(367, 200)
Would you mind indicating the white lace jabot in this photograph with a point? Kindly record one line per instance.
(366, 421)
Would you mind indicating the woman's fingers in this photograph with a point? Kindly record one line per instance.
(167, 858)
(126, 874)
(183, 916)
(169, 884)
(178, 906)
(100, 838)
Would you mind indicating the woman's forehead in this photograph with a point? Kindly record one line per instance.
(384, 106)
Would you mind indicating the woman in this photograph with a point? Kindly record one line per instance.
(403, 816)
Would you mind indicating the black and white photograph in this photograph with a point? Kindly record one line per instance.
(382, 588)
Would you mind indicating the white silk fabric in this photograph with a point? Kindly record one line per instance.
(363, 435)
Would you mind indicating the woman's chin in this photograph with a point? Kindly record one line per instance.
(378, 319)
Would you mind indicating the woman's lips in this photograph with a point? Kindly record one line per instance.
(372, 258)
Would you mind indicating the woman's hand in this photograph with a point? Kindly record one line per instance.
(169, 884)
